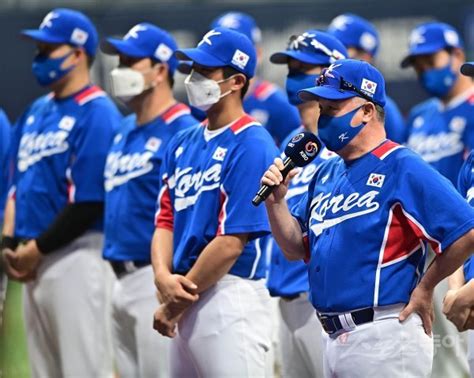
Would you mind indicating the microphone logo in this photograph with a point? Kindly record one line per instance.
(311, 149)
(297, 137)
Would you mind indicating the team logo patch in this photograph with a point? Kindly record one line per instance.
(376, 180)
(343, 137)
(219, 154)
(240, 59)
(297, 137)
(153, 144)
(163, 52)
(368, 86)
(79, 36)
(133, 32)
(67, 123)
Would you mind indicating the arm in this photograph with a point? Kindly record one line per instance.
(285, 228)
(456, 280)
(442, 266)
(216, 260)
(9, 218)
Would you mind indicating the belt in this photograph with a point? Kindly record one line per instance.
(129, 266)
(347, 321)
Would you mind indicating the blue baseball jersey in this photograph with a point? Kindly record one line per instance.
(60, 148)
(209, 180)
(443, 135)
(269, 105)
(288, 278)
(132, 182)
(394, 123)
(367, 223)
(466, 188)
(5, 136)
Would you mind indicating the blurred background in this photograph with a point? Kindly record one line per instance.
(188, 20)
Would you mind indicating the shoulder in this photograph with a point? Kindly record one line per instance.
(179, 113)
(428, 106)
(264, 90)
(94, 100)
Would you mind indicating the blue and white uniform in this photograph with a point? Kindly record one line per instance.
(60, 147)
(5, 136)
(376, 196)
(132, 182)
(210, 178)
(209, 182)
(443, 135)
(269, 105)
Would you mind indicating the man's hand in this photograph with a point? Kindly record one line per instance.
(273, 177)
(176, 290)
(21, 265)
(421, 302)
(470, 321)
(457, 306)
(165, 320)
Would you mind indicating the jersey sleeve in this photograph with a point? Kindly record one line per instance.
(434, 209)
(284, 117)
(240, 181)
(394, 122)
(90, 148)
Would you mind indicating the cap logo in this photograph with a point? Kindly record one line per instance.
(240, 59)
(300, 40)
(340, 22)
(163, 52)
(328, 71)
(133, 32)
(368, 86)
(79, 36)
(451, 37)
(417, 37)
(48, 20)
(207, 37)
(367, 41)
(230, 21)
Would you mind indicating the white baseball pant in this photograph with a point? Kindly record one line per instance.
(140, 351)
(300, 339)
(67, 312)
(226, 333)
(382, 348)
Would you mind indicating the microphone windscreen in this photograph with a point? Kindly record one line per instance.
(303, 148)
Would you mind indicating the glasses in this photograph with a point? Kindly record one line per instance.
(344, 86)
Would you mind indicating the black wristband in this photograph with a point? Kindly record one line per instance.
(8, 242)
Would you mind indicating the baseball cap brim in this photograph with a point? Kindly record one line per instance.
(468, 69)
(200, 57)
(327, 93)
(422, 50)
(284, 56)
(42, 36)
(185, 67)
(115, 46)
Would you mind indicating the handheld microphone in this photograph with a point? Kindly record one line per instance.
(300, 151)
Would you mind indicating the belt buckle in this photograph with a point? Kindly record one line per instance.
(325, 319)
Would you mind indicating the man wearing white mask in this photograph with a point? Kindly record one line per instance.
(208, 268)
(144, 81)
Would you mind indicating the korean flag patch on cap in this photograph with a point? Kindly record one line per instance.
(79, 36)
(163, 52)
(240, 59)
(368, 86)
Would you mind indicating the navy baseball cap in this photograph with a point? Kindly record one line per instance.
(144, 40)
(345, 79)
(468, 69)
(69, 26)
(312, 47)
(222, 47)
(240, 22)
(429, 38)
(355, 31)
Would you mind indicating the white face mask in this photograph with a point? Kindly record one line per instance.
(126, 83)
(203, 92)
